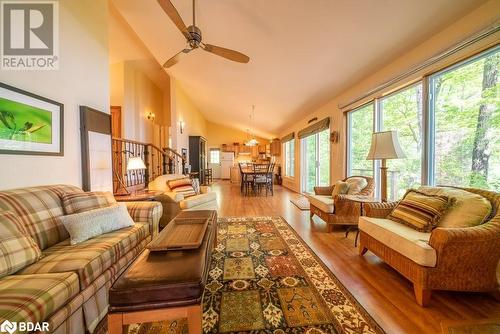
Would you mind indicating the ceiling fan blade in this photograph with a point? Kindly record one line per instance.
(226, 53)
(174, 16)
(175, 59)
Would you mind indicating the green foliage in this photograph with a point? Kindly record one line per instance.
(458, 95)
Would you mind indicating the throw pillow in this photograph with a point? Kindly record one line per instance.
(17, 247)
(339, 188)
(196, 185)
(356, 184)
(81, 202)
(182, 186)
(89, 224)
(467, 209)
(420, 211)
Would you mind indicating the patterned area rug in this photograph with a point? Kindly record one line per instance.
(265, 279)
(302, 203)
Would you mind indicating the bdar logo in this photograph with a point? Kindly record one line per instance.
(8, 327)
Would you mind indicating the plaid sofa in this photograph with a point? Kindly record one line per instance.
(68, 286)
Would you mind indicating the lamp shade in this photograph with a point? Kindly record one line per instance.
(135, 163)
(385, 145)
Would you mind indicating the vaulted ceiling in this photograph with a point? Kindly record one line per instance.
(302, 52)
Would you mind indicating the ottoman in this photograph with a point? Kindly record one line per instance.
(164, 285)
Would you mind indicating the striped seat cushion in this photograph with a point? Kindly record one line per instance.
(34, 298)
(78, 202)
(420, 211)
(17, 247)
(89, 258)
(39, 208)
(182, 186)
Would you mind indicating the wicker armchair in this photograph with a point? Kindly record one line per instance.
(467, 258)
(345, 212)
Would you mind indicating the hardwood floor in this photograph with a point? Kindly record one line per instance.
(385, 294)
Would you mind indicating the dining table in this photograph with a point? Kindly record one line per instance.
(249, 173)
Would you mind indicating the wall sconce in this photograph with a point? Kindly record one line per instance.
(334, 137)
(151, 116)
(182, 125)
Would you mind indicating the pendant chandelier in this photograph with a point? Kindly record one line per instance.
(252, 141)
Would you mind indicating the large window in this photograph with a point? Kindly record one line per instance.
(360, 122)
(316, 160)
(289, 157)
(402, 111)
(465, 109)
(450, 136)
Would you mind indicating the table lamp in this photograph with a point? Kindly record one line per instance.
(385, 145)
(133, 163)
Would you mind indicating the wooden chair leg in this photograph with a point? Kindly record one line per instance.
(115, 323)
(362, 250)
(194, 315)
(423, 296)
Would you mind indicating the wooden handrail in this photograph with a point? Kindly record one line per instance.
(158, 161)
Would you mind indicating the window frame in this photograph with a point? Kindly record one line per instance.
(289, 158)
(210, 155)
(428, 161)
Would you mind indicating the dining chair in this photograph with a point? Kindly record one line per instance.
(246, 180)
(260, 177)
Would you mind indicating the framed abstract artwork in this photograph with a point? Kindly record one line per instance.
(30, 124)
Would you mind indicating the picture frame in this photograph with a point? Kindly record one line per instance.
(30, 124)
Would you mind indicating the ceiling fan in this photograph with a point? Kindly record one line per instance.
(193, 38)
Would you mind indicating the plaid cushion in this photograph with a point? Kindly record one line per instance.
(146, 212)
(35, 297)
(420, 211)
(182, 186)
(38, 209)
(90, 258)
(17, 248)
(196, 185)
(78, 202)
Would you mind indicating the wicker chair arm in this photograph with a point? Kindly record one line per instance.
(468, 255)
(323, 190)
(379, 210)
(346, 207)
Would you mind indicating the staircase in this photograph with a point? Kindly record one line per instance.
(158, 161)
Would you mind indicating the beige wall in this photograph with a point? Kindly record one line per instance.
(220, 134)
(82, 79)
(183, 109)
(477, 20)
(137, 84)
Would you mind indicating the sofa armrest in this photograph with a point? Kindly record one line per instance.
(194, 201)
(323, 190)
(205, 189)
(379, 210)
(471, 254)
(146, 212)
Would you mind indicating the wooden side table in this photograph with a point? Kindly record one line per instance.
(143, 195)
(362, 200)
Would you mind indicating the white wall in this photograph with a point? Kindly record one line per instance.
(82, 79)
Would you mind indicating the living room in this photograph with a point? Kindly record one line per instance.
(323, 167)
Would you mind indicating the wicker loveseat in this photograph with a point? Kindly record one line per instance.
(338, 210)
(461, 259)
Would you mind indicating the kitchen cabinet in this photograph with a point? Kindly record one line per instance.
(276, 147)
(235, 175)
